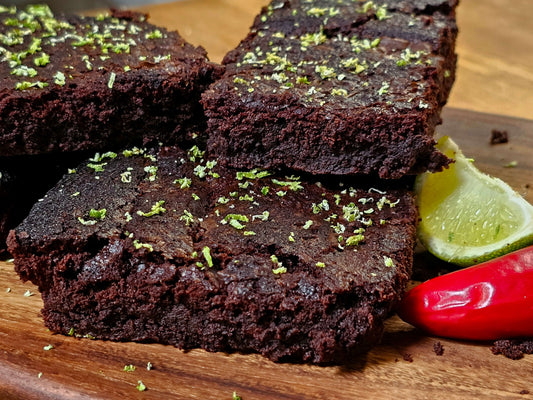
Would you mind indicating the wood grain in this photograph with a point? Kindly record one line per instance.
(495, 48)
(93, 369)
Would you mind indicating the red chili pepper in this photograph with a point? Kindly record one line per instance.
(489, 301)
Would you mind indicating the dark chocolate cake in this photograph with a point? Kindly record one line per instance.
(336, 87)
(74, 83)
(168, 246)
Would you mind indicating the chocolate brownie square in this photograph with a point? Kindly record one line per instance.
(336, 87)
(169, 246)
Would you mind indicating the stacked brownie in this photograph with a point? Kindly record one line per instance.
(279, 238)
(167, 246)
(72, 84)
(336, 87)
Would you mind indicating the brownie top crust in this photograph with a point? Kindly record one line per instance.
(174, 204)
(40, 50)
(341, 88)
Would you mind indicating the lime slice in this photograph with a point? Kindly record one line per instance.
(468, 217)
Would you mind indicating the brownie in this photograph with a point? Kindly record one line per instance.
(333, 87)
(169, 246)
(75, 83)
(23, 181)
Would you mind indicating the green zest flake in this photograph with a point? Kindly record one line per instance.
(388, 261)
(97, 157)
(187, 217)
(381, 13)
(249, 233)
(339, 92)
(195, 197)
(156, 34)
(264, 190)
(158, 59)
(320, 264)
(152, 171)
(281, 193)
(317, 12)
(246, 197)
(353, 63)
(511, 164)
(312, 39)
(141, 387)
(138, 245)
(384, 88)
(325, 72)
(194, 152)
(43, 60)
(354, 240)
(244, 185)
(111, 80)
(291, 237)
(133, 152)
(199, 264)
(97, 214)
(369, 5)
(97, 167)
(128, 216)
(183, 182)
(223, 200)
(338, 228)
(59, 78)
(308, 224)
(241, 81)
(125, 177)
(26, 85)
(157, 208)
(48, 347)
(279, 270)
(292, 185)
(23, 70)
(71, 332)
(129, 368)
(235, 220)
(263, 217)
(87, 223)
(253, 174)
(322, 206)
(351, 212)
(207, 255)
(302, 80)
(447, 73)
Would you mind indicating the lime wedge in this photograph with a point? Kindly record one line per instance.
(468, 217)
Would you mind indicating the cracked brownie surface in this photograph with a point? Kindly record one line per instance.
(336, 87)
(168, 246)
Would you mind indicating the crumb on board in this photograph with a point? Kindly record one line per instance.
(498, 136)
(408, 357)
(513, 349)
(438, 348)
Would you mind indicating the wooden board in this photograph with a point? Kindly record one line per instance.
(404, 366)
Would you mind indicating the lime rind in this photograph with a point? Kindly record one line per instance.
(467, 216)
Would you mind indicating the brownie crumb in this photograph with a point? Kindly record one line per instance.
(524, 391)
(438, 348)
(513, 349)
(408, 357)
(498, 137)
